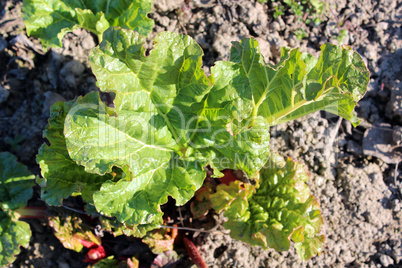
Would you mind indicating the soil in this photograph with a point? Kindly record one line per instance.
(355, 172)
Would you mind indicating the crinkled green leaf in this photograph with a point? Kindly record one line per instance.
(280, 209)
(162, 128)
(16, 183)
(298, 85)
(50, 20)
(71, 230)
(13, 234)
(237, 192)
(61, 175)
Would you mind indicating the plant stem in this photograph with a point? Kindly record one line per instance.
(32, 212)
(191, 229)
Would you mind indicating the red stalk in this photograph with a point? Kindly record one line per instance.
(193, 253)
(95, 253)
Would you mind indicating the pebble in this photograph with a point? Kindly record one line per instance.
(347, 127)
(168, 5)
(164, 21)
(397, 135)
(386, 260)
(395, 102)
(53, 67)
(72, 67)
(354, 148)
(50, 99)
(63, 265)
(88, 42)
(371, 52)
(274, 26)
(364, 108)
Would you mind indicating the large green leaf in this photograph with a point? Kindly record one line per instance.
(61, 175)
(13, 234)
(50, 20)
(162, 128)
(298, 85)
(279, 209)
(16, 183)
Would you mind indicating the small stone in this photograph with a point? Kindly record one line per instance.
(88, 42)
(290, 19)
(72, 67)
(91, 80)
(386, 260)
(397, 135)
(347, 127)
(292, 40)
(274, 26)
(164, 21)
(50, 99)
(381, 26)
(70, 80)
(265, 49)
(354, 148)
(342, 140)
(398, 251)
(332, 29)
(371, 52)
(357, 136)
(397, 205)
(53, 68)
(168, 5)
(395, 103)
(378, 142)
(364, 108)
(63, 265)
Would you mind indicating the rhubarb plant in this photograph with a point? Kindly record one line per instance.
(16, 184)
(51, 20)
(169, 120)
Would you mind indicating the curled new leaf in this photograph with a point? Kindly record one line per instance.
(51, 20)
(160, 240)
(71, 231)
(279, 210)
